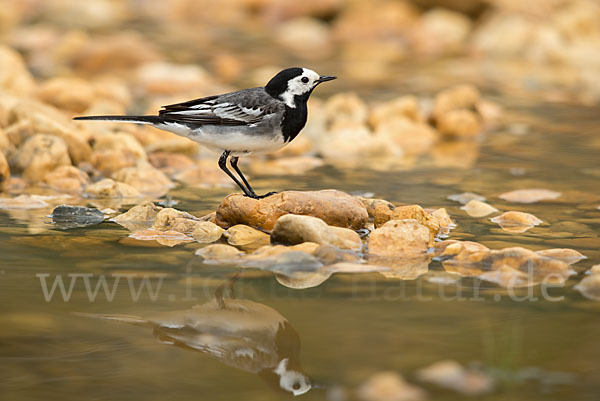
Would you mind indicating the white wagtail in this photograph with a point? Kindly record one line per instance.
(255, 120)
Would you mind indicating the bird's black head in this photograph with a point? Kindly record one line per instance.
(294, 85)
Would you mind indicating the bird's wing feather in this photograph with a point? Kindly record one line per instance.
(237, 108)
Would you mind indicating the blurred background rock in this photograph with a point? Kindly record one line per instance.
(62, 58)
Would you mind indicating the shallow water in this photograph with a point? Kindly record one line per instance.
(349, 327)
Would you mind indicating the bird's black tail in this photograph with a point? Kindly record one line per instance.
(125, 119)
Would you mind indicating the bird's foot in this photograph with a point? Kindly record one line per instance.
(254, 196)
(265, 195)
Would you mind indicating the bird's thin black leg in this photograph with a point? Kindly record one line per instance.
(223, 166)
(234, 164)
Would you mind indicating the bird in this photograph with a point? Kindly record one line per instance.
(240, 333)
(249, 121)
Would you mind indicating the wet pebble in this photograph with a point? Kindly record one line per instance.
(516, 222)
(245, 237)
(295, 229)
(569, 256)
(397, 237)
(207, 232)
(477, 208)
(139, 217)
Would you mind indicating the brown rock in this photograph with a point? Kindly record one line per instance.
(443, 218)
(206, 232)
(139, 217)
(68, 179)
(168, 217)
(30, 117)
(382, 214)
(246, 238)
(397, 237)
(41, 154)
(15, 78)
(73, 94)
(4, 169)
(372, 204)
(145, 179)
(294, 229)
(108, 188)
(417, 213)
(459, 123)
(333, 207)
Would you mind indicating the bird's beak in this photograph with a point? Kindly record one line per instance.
(325, 78)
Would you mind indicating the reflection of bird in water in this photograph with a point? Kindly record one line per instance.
(239, 333)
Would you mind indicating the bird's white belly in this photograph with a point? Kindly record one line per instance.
(236, 141)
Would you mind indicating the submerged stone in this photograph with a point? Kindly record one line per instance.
(569, 256)
(139, 217)
(23, 202)
(67, 216)
(167, 238)
(589, 286)
(529, 195)
(516, 222)
(219, 254)
(466, 197)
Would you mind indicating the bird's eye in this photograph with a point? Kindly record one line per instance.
(305, 79)
(296, 386)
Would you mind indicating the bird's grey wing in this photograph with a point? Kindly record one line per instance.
(244, 107)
